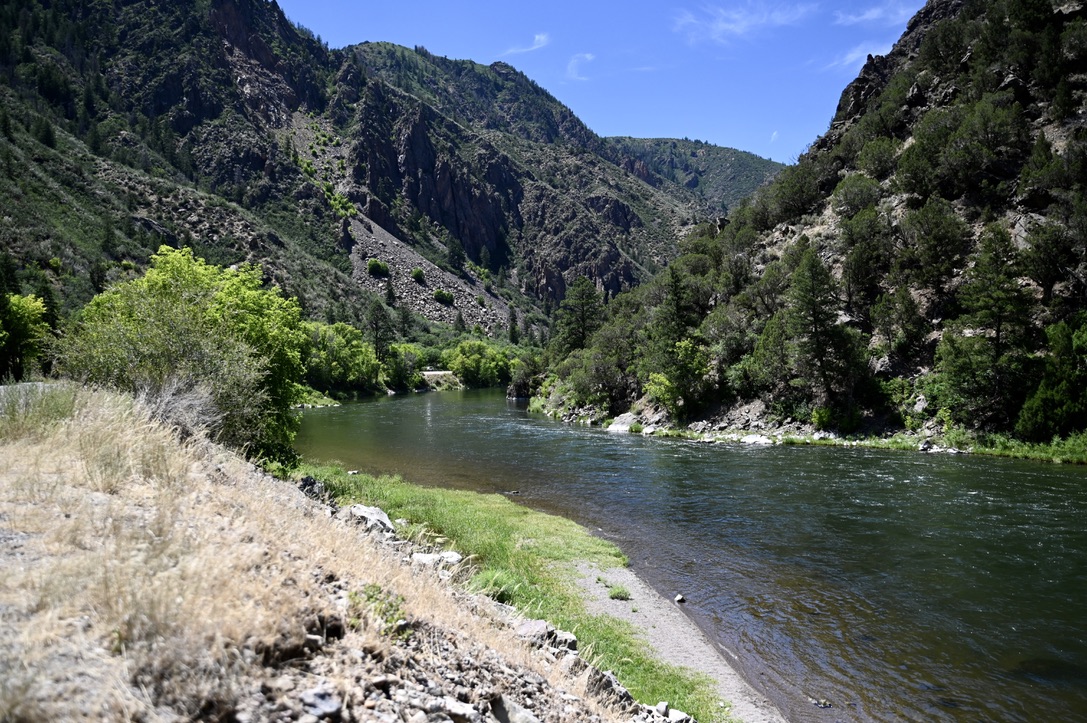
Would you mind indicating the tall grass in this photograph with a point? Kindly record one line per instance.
(527, 559)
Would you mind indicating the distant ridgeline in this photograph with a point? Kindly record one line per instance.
(922, 265)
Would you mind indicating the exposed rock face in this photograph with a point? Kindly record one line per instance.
(232, 98)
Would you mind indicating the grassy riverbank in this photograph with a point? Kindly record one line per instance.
(528, 559)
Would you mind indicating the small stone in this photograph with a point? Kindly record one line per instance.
(678, 716)
(321, 702)
(680, 599)
(662, 708)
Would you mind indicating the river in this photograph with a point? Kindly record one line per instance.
(892, 585)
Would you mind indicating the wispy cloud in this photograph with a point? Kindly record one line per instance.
(722, 23)
(573, 68)
(855, 58)
(774, 137)
(890, 13)
(541, 40)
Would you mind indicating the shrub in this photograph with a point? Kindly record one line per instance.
(417, 275)
(853, 194)
(377, 268)
(878, 157)
(443, 297)
(187, 328)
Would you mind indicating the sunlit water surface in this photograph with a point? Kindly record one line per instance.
(895, 586)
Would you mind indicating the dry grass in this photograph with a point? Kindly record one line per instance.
(145, 577)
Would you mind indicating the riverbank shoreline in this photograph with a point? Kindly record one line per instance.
(674, 637)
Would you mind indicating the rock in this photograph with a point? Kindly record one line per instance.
(565, 640)
(678, 716)
(507, 711)
(680, 599)
(436, 559)
(538, 632)
(662, 708)
(622, 423)
(461, 712)
(760, 439)
(314, 488)
(926, 445)
(373, 518)
(321, 702)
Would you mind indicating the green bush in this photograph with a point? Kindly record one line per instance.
(377, 268)
(478, 364)
(210, 338)
(878, 157)
(417, 275)
(853, 194)
(340, 360)
(443, 297)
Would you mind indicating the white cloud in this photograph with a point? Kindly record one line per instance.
(720, 24)
(890, 13)
(541, 40)
(774, 137)
(854, 59)
(573, 68)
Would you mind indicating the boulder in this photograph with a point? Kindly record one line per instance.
(373, 518)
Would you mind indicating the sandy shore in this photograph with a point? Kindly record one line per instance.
(674, 637)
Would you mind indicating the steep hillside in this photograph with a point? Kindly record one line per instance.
(221, 125)
(922, 265)
(718, 175)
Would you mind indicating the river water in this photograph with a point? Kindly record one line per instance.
(893, 586)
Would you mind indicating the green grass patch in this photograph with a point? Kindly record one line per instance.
(618, 592)
(527, 559)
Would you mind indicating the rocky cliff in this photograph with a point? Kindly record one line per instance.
(222, 125)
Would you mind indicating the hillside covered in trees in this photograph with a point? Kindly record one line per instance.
(922, 265)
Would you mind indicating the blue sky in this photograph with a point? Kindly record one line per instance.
(758, 75)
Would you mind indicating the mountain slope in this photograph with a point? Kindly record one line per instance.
(221, 125)
(923, 265)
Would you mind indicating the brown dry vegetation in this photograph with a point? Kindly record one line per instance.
(146, 578)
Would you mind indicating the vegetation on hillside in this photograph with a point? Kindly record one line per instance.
(922, 265)
(225, 128)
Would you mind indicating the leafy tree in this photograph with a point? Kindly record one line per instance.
(339, 359)
(23, 332)
(680, 388)
(866, 239)
(200, 335)
(578, 317)
(478, 364)
(401, 368)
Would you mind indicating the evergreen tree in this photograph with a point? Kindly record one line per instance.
(379, 326)
(827, 354)
(579, 315)
(514, 330)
